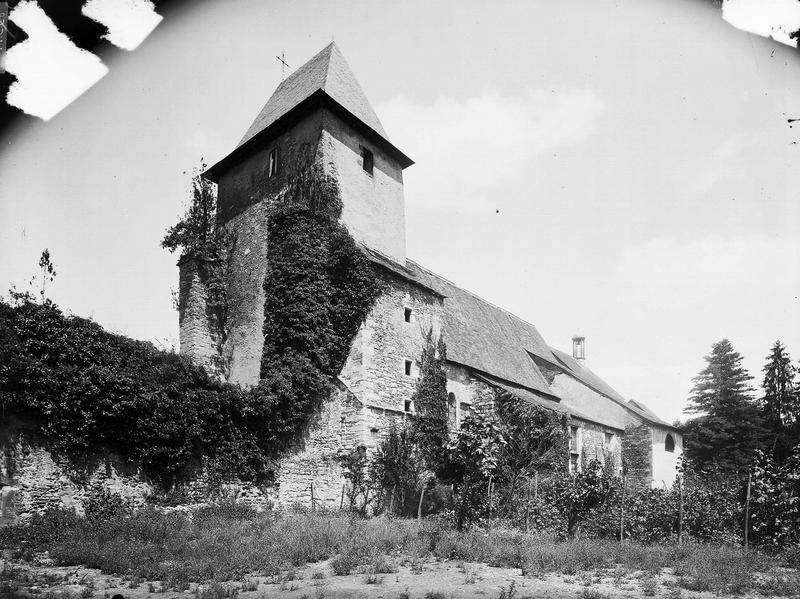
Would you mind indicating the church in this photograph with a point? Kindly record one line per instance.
(488, 348)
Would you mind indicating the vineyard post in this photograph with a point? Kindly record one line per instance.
(747, 511)
(680, 510)
(622, 511)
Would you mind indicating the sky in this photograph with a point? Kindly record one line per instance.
(620, 169)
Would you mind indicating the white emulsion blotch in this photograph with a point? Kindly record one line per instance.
(128, 22)
(777, 19)
(51, 70)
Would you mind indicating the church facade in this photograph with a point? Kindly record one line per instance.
(489, 349)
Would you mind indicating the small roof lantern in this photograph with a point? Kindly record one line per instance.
(579, 347)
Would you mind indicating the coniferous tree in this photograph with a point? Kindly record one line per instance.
(729, 428)
(781, 401)
(430, 403)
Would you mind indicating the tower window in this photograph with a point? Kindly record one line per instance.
(408, 367)
(609, 438)
(669, 444)
(407, 314)
(409, 405)
(273, 163)
(367, 160)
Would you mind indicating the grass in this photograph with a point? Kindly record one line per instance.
(226, 544)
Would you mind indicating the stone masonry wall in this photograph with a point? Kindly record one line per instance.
(637, 455)
(373, 204)
(245, 198)
(197, 340)
(337, 429)
(33, 479)
(375, 369)
(595, 444)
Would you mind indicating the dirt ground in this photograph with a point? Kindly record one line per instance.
(432, 579)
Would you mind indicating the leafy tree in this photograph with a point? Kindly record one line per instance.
(355, 469)
(536, 441)
(473, 460)
(398, 470)
(195, 234)
(48, 273)
(729, 428)
(198, 237)
(576, 495)
(775, 519)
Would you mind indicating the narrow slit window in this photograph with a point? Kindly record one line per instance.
(408, 367)
(273, 163)
(669, 444)
(409, 405)
(367, 160)
(407, 314)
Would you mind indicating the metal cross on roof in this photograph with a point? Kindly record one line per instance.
(284, 65)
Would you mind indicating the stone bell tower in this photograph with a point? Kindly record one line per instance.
(320, 104)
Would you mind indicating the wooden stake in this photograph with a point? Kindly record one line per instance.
(341, 505)
(419, 507)
(680, 510)
(528, 508)
(747, 512)
(622, 512)
(312, 497)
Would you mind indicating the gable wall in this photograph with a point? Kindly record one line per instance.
(585, 400)
(665, 463)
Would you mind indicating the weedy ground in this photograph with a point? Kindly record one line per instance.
(228, 552)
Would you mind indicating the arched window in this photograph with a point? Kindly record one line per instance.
(451, 398)
(669, 444)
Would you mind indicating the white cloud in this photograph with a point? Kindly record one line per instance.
(463, 149)
(129, 22)
(769, 18)
(51, 70)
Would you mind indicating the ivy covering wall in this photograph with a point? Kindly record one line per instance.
(85, 393)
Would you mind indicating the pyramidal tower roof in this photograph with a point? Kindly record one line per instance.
(325, 80)
(327, 71)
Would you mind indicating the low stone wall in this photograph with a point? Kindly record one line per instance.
(33, 479)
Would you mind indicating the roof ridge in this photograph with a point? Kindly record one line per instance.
(472, 293)
(329, 49)
(628, 404)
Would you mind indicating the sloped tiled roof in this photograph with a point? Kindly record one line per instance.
(327, 71)
(590, 379)
(532, 398)
(487, 338)
(498, 347)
